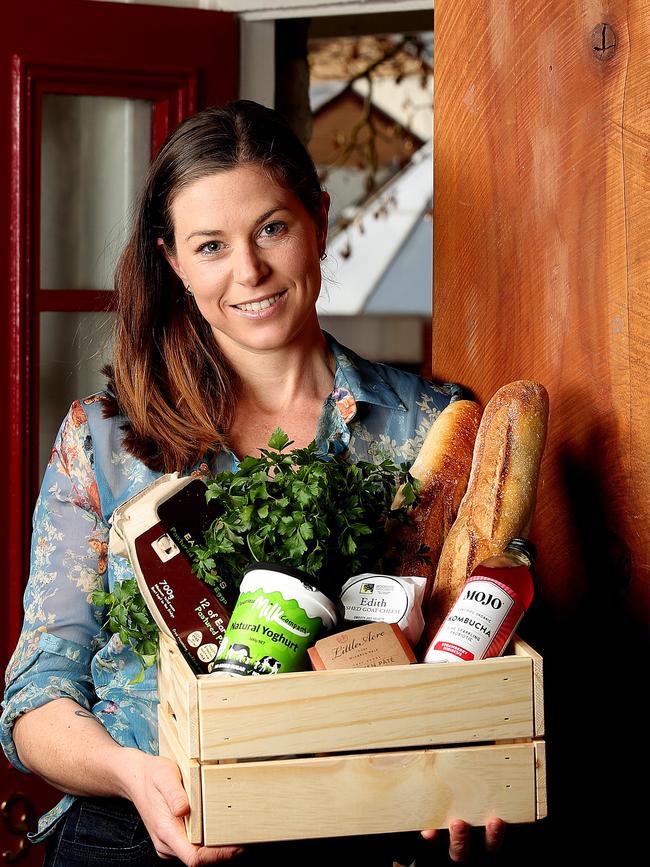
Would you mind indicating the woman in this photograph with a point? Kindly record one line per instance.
(217, 343)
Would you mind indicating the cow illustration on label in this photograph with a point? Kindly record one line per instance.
(240, 652)
(267, 665)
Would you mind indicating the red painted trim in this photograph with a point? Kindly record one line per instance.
(33, 121)
(17, 519)
(75, 300)
(160, 125)
(106, 80)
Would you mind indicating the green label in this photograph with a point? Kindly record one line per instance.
(267, 634)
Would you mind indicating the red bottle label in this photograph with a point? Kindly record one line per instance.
(480, 623)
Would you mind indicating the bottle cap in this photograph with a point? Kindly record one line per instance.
(523, 546)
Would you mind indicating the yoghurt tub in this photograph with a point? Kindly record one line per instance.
(277, 617)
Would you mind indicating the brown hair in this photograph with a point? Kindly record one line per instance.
(168, 377)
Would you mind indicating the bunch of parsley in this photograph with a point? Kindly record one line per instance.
(316, 512)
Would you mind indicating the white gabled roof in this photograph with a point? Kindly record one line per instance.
(375, 246)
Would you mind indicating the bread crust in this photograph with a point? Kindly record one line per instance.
(442, 466)
(500, 497)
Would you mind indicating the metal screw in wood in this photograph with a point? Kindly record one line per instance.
(603, 41)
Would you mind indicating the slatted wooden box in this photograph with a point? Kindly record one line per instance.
(330, 753)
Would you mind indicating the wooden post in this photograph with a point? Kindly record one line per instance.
(542, 259)
(542, 271)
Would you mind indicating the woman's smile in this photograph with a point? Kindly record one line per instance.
(260, 307)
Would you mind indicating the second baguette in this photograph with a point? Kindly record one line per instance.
(500, 498)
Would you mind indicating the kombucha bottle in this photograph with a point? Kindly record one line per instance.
(488, 610)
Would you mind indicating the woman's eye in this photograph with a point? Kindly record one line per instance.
(272, 229)
(210, 247)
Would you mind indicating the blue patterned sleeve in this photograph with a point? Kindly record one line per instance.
(62, 628)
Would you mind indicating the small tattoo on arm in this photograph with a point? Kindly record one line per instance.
(86, 715)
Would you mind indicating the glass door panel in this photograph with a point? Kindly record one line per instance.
(95, 151)
(94, 154)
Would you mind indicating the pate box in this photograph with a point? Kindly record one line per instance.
(369, 646)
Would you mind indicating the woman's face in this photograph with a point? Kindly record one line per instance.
(250, 252)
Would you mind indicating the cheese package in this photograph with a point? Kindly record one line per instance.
(385, 598)
(368, 646)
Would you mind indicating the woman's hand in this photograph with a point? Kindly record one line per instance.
(154, 785)
(459, 849)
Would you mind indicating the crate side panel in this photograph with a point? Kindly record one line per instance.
(522, 648)
(540, 778)
(177, 690)
(367, 793)
(190, 769)
(337, 711)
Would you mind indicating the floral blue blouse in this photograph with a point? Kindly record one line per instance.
(374, 411)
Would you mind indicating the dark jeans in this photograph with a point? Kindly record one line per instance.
(107, 831)
(101, 831)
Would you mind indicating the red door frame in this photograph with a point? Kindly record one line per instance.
(180, 60)
(173, 98)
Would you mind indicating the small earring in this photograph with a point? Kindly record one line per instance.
(188, 289)
(323, 256)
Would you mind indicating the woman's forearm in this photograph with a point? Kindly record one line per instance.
(68, 747)
(71, 749)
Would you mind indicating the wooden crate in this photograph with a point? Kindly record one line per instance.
(332, 753)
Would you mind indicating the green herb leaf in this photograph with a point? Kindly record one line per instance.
(278, 440)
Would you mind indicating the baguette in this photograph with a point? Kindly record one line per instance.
(500, 498)
(442, 467)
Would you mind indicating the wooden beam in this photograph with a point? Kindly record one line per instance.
(542, 261)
